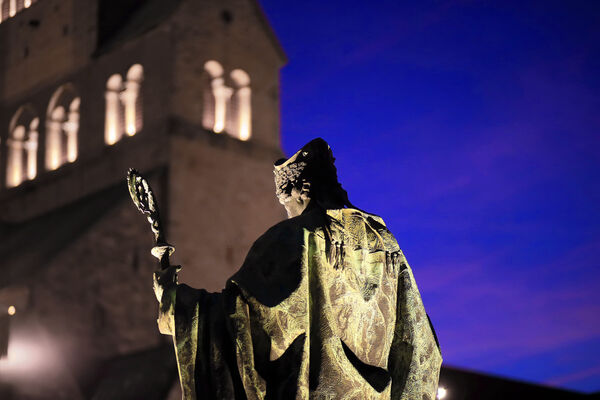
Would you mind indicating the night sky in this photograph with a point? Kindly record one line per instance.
(473, 129)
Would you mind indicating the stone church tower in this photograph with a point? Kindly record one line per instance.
(187, 92)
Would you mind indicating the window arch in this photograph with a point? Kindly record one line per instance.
(10, 8)
(213, 71)
(216, 98)
(4, 10)
(241, 108)
(112, 124)
(22, 147)
(227, 109)
(131, 99)
(123, 105)
(62, 126)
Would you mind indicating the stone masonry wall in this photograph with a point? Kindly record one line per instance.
(41, 44)
(98, 165)
(94, 301)
(230, 32)
(221, 199)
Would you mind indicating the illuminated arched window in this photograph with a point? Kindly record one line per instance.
(216, 98)
(240, 118)
(62, 126)
(4, 10)
(71, 128)
(9, 8)
(31, 147)
(132, 99)
(113, 118)
(22, 147)
(15, 173)
(214, 71)
(123, 105)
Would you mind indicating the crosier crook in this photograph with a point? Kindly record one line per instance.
(143, 198)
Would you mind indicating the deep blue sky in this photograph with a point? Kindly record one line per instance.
(473, 128)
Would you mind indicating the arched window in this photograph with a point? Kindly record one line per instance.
(216, 98)
(225, 108)
(240, 123)
(9, 8)
(4, 10)
(213, 71)
(131, 99)
(112, 123)
(15, 167)
(123, 105)
(31, 147)
(22, 147)
(71, 128)
(62, 126)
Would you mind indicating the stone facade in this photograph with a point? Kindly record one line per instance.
(75, 252)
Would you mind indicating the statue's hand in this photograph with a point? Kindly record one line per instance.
(165, 279)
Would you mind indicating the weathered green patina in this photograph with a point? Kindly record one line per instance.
(325, 306)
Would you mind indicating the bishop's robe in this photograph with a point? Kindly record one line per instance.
(325, 306)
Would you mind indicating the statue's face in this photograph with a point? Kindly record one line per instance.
(295, 202)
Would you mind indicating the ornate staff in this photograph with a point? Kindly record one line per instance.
(143, 198)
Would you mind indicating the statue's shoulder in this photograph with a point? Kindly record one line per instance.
(293, 228)
(345, 218)
(342, 214)
(286, 236)
(273, 266)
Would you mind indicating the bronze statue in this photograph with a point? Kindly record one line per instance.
(325, 305)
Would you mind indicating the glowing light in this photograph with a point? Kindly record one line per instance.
(71, 127)
(12, 310)
(222, 95)
(131, 126)
(244, 113)
(111, 124)
(110, 137)
(31, 147)
(22, 146)
(14, 171)
(130, 98)
(441, 393)
(213, 68)
(27, 356)
(27, 3)
(12, 8)
(216, 104)
(123, 105)
(62, 125)
(130, 113)
(54, 157)
(242, 122)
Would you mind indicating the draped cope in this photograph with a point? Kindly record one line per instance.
(325, 306)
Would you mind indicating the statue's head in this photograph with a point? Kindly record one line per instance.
(309, 177)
